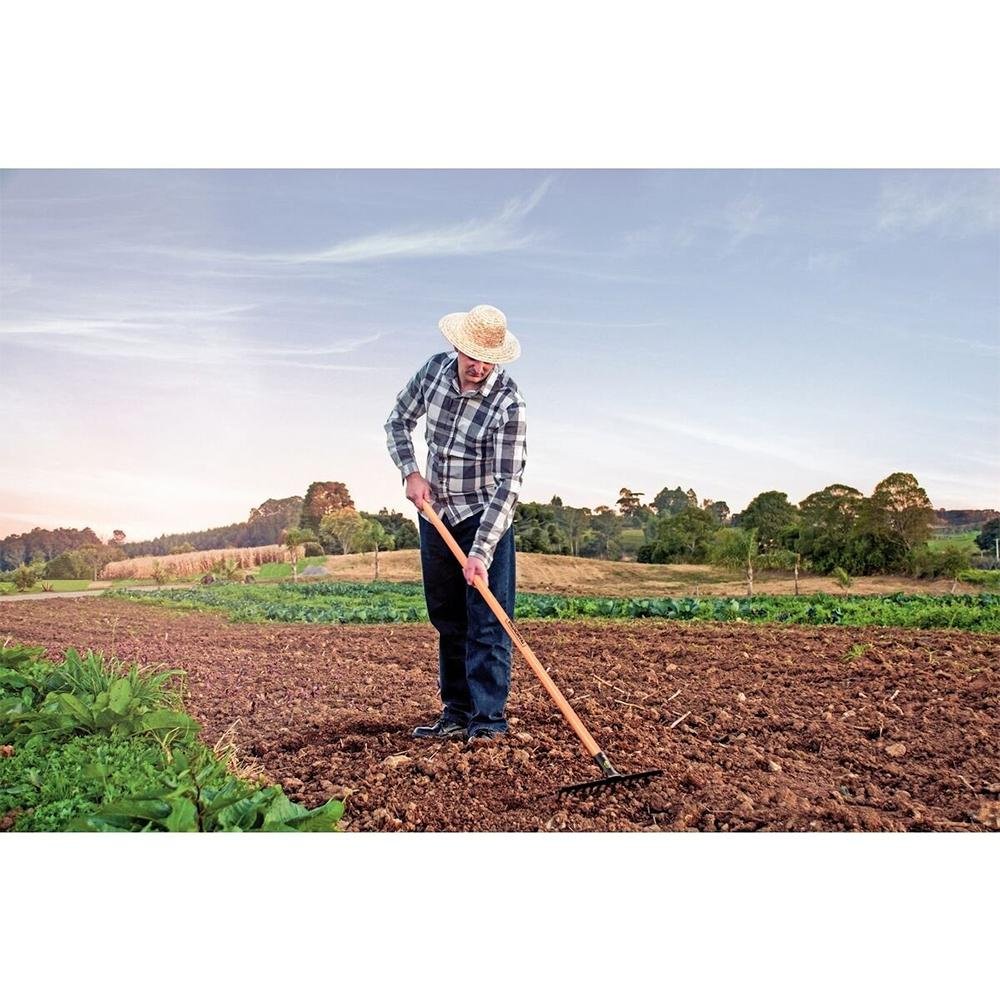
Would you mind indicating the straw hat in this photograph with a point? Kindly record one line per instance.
(481, 334)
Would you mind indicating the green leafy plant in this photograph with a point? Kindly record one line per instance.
(100, 745)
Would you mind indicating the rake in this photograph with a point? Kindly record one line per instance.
(609, 775)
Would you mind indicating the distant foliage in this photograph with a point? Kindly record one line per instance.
(323, 498)
(42, 544)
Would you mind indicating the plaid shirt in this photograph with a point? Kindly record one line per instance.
(475, 446)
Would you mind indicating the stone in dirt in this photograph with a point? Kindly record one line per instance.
(896, 749)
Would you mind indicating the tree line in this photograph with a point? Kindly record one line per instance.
(837, 527)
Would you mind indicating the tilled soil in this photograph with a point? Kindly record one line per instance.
(755, 727)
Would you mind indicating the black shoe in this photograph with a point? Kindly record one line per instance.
(478, 736)
(441, 730)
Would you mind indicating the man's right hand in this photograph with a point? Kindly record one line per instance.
(417, 489)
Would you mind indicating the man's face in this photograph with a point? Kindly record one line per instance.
(473, 372)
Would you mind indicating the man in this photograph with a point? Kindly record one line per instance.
(475, 461)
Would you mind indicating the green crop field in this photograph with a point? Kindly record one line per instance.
(331, 603)
(283, 571)
(94, 744)
(965, 541)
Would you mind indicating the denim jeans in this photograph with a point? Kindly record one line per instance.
(474, 649)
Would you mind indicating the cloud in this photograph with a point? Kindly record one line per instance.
(169, 338)
(967, 205)
(728, 227)
(498, 233)
(795, 454)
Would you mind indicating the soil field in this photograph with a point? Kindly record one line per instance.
(755, 727)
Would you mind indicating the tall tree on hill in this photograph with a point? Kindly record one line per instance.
(770, 513)
(719, 510)
(671, 501)
(902, 505)
(321, 499)
(628, 501)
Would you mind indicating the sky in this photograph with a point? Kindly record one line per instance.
(178, 346)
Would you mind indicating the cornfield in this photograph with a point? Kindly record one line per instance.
(192, 563)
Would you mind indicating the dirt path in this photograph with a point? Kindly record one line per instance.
(755, 727)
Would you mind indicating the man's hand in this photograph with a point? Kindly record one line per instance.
(417, 489)
(474, 567)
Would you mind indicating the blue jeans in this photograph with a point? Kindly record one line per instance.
(474, 650)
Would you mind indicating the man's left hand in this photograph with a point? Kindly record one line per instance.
(474, 567)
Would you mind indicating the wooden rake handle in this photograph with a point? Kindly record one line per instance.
(495, 606)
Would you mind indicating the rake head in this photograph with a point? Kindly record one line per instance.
(610, 777)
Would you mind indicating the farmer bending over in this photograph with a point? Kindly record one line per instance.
(475, 461)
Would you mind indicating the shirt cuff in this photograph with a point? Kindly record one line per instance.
(480, 553)
(408, 469)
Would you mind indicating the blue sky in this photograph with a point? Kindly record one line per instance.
(178, 346)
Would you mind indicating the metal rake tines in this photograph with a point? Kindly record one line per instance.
(603, 784)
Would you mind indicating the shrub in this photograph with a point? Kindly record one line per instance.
(24, 577)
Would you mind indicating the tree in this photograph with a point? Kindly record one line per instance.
(296, 538)
(828, 519)
(682, 538)
(986, 540)
(770, 513)
(403, 531)
(574, 521)
(96, 557)
(117, 538)
(628, 501)
(68, 566)
(900, 503)
(601, 539)
(372, 536)
(671, 501)
(719, 510)
(342, 527)
(736, 548)
(323, 498)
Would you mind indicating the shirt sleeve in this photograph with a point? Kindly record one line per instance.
(510, 454)
(410, 406)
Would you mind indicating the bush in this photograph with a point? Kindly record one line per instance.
(313, 549)
(24, 578)
(68, 566)
(947, 561)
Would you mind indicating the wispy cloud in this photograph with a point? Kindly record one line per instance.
(495, 234)
(728, 227)
(968, 206)
(800, 455)
(170, 338)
